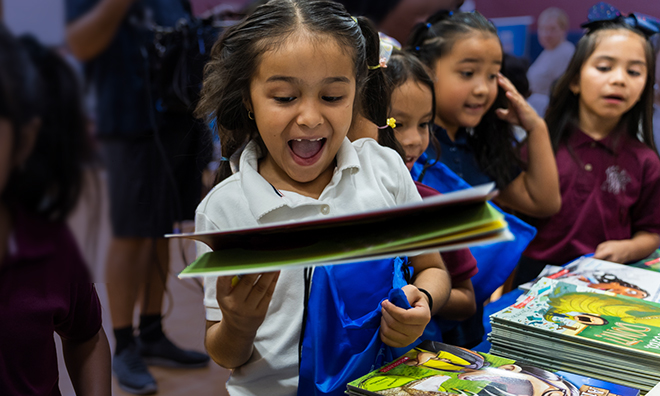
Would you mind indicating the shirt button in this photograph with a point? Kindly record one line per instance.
(588, 167)
(452, 149)
(325, 209)
(593, 144)
(456, 160)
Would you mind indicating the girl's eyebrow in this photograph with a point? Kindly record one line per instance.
(295, 80)
(613, 59)
(478, 60)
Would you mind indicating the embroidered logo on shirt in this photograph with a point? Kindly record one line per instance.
(616, 180)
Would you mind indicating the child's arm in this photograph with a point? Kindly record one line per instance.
(534, 192)
(401, 327)
(88, 364)
(461, 304)
(230, 341)
(641, 245)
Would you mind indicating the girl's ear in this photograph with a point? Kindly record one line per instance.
(29, 133)
(574, 86)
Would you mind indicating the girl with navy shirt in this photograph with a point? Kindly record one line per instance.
(475, 107)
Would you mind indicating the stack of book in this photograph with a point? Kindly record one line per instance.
(580, 329)
(447, 222)
(434, 368)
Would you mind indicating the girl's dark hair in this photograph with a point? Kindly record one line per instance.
(563, 109)
(402, 67)
(235, 57)
(492, 141)
(35, 82)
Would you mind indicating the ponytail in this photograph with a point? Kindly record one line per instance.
(376, 93)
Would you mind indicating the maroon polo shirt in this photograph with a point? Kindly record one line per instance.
(610, 189)
(44, 288)
(460, 264)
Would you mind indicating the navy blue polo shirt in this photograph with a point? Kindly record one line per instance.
(459, 157)
(118, 73)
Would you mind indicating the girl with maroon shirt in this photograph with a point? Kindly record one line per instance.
(44, 283)
(599, 120)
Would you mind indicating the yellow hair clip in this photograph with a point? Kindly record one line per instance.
(391, 122)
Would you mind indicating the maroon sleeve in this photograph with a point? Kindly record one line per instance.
(461, 264)
(645, 213)
(426, 191)
(82, 320)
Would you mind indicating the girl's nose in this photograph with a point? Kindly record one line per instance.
(309, 114)
(410, 138)
(618, 76)
(481, 87)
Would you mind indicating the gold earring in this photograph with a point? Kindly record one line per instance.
(250, 115)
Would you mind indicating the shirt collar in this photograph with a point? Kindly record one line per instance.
(263, 198)
(612, 142)
(461, 136)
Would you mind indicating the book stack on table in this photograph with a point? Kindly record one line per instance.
(434, 368)
(580, 329)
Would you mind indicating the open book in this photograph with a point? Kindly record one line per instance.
(446, 222)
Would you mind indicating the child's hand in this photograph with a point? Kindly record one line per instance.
(519, 111)
(244, 305)
(615, 251)
(401, 327)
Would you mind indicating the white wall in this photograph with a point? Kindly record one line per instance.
(42, 18)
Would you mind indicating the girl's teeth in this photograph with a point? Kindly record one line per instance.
(311, 140)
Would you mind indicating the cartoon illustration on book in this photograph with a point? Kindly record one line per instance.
(604, 275)
(434, 368)
(600, 309)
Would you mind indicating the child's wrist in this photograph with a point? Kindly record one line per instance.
(428, 297)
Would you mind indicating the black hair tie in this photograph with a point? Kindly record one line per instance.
(430, 298)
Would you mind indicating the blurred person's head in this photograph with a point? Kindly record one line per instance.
(552, 27)
(41, 112)
(396, 18)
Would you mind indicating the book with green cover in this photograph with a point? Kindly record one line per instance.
(449, 221)
(559, 325)
(589, 314)
(434, 368)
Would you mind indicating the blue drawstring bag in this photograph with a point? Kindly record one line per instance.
(341, 341)
(495, 261)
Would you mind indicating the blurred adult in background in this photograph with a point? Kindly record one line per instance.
(154, 174)
(552, 62)
(396, 18)
(655, 40)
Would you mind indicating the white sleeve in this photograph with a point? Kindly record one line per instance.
(213, 313)
(408, 190)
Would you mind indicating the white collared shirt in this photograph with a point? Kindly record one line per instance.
(367, 177)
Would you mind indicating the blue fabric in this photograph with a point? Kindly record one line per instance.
(458, 156)
(495, 261)
(341, 341)
(118, 73)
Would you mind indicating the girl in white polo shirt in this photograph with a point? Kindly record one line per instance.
(283, 85)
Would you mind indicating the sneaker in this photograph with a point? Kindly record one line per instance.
(165, 354)
(131, 372)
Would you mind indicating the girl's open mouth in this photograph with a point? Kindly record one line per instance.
(305, 151)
